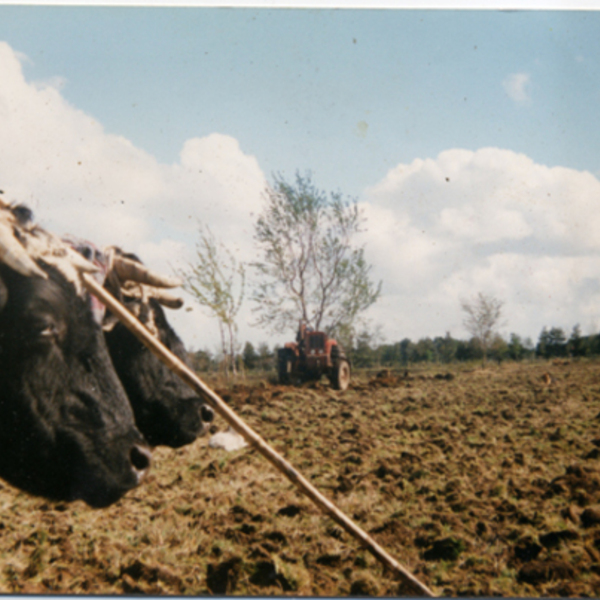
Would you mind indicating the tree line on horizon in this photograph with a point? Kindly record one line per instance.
(366, 352)
(552, 343)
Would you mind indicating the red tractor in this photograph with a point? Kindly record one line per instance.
(313, 354)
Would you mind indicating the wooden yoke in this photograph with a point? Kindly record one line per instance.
(251, 437)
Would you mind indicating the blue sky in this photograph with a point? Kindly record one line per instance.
(280, 80)
(387, 106)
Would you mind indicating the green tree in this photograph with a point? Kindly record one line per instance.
(446, 348)
(482, 316)
(217, 282)
(468, 350)
(557, 342)
(364, 350)
(266, 357)
(407, 351)
(249, 356)
(516, 349)
(541, 348)
(311, 268)
(577, 345)
(425, 350)
(498, 348)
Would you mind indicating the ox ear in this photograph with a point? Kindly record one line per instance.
(3, 294)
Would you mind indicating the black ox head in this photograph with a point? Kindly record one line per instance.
(166, 410)
(67, 431)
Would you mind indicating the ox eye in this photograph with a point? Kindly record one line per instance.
(47, 330)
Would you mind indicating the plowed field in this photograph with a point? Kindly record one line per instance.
(480, 482)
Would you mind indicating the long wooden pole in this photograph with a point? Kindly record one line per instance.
(253, 439)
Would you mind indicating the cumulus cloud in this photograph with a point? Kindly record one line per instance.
(81, 180)
(445, 228)
(517, 86)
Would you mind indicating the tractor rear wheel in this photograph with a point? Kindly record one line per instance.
(341, 375)
(284, 366)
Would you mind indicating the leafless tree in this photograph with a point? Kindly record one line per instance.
(483, 314)
(310, 267)
(217, 282)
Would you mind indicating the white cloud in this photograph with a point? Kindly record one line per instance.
(517, 86)
(494, 221)
(81, 180)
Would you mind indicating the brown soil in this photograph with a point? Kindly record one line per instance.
(480, 483)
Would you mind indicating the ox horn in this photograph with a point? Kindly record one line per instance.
(144, 292)
(14, 255)
(130, 270)
(166, 299)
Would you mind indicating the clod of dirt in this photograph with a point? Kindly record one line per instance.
(568, 589)
(150, 573)
(365, 585)
(345, 485)
(276, 536)
(481, 528)
(593, 454)
(548, 379)
(580, 480)
(289, 511)
(130, 586)
(592, 552)
(590, 517)
(571, 513)
(527, 550)
(211, 469)
(382, 471)
(221, 578)
(329, 560)
(354, 459)
(384, 378)
(554, 538)
(509, 415)
(445, 376)
(393, 529)
(423, 541)
(543, 571)
(266, 574)
(445, 549)
(239, 513)
(557, 435)
(335, 532)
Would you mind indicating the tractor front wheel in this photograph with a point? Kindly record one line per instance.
(341, 375)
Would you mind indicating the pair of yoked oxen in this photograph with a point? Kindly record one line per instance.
(82, 401)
